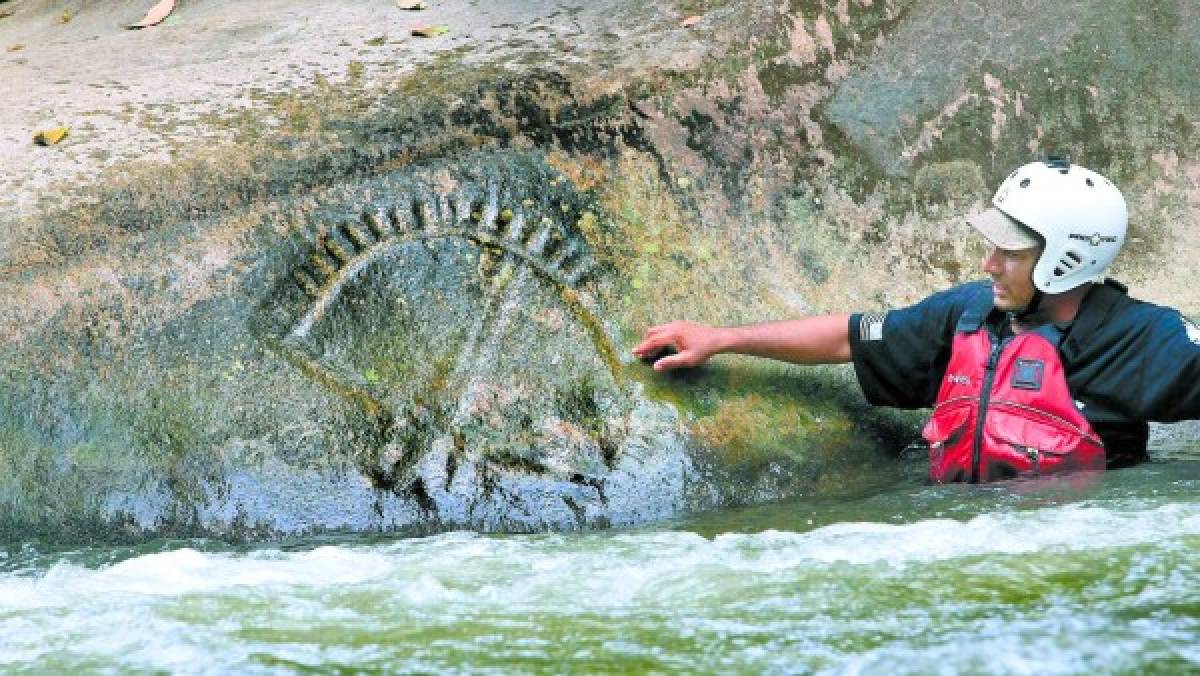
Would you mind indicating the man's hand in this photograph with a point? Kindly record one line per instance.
(686, 344)
(812, 340)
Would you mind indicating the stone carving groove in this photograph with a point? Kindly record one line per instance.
(338, 255)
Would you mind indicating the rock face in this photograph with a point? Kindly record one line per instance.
(397, 293)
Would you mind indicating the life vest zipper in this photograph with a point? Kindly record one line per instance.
(1050, 416)
(985, 394)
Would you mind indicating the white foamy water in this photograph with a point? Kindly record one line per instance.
(1053, 590)
(607, 566)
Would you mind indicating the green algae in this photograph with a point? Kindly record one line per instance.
(49, 488)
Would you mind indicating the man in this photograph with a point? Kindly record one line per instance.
(1047, 367)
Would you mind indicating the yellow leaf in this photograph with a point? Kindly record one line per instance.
(156, 14)
(66, 16)
(430, 31)
(16, 48)
(48, 137)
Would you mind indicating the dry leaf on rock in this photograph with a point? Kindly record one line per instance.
(48, 137)
(16, 48)
(430, 31)
(690, 21)
(4, 14)
(66, 16)
(156, 14)
(411, 4)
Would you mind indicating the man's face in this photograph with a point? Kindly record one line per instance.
(1012, 276)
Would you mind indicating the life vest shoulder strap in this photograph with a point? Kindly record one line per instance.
(1051, 333)
(976, 313)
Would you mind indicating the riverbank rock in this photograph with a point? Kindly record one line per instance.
(299, 271)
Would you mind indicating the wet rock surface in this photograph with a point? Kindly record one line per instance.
(399, 295)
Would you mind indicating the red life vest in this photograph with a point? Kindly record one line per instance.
(1004, 410)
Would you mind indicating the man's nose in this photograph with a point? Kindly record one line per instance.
(990, 263)
(993, 262)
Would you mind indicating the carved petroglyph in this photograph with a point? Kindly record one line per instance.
(427, 312)
(339, 255)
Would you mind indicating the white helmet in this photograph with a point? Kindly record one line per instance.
(1080, 216)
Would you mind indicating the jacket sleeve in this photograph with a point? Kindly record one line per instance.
(1169, 352)
(900, 355)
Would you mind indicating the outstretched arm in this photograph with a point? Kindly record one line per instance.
(813, 340)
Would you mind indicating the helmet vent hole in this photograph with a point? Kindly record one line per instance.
(1075, 257)
(1089, 182)
(1058, 272)
(1025, 183)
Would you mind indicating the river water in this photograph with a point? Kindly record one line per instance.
(1094, 574)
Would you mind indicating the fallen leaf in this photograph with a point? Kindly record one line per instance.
(48, 137)
(66, 16)
(430, 31)
(156, 14)
(690, 21)
(377, 41)
(16, 48)
(411, 4)
(7, 13)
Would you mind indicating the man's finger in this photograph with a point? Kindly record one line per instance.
(671, 362)
(651, 344)
(653, 356)
(647, 339)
